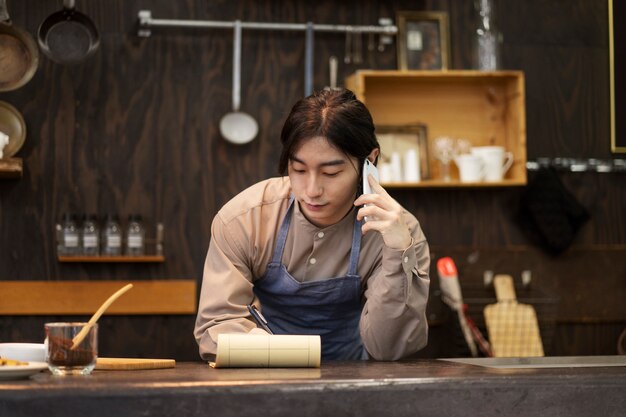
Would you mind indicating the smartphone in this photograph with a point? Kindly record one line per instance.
(368, 168)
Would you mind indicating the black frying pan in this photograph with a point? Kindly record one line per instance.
(67, 36)
(19, 56)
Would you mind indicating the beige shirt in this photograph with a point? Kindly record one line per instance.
(243, 237)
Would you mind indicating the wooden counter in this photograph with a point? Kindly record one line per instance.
(415, 388)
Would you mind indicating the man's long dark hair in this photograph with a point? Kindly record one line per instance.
(336, 115)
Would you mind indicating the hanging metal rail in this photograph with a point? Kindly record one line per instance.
(146, 23)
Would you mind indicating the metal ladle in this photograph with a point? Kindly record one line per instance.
(238, 127)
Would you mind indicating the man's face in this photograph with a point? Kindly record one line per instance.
(323, 180)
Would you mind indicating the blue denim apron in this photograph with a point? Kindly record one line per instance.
(330, 308)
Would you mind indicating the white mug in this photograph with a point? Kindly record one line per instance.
(385, 173)
(396, 167)
(471, 168)
(497, 162)
(411, 166)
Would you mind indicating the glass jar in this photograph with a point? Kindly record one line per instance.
(135, 236)
(90, 236)
(112, 236)
(69, 235)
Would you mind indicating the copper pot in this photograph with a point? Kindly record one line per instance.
(19, 56)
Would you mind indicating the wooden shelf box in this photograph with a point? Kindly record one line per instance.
(486, 108)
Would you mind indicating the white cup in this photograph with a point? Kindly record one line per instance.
(396, 167)
(385, 173)
(411, 166)
(471, 167)
(496, 160)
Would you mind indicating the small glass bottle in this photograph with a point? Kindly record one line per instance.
(90, 236)
(488, 38)
(69, 233)
(112, 236)
(135, 236)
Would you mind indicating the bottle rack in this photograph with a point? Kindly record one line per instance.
(155, 254)
(111, 259)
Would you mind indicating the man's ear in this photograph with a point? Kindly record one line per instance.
(373, 156)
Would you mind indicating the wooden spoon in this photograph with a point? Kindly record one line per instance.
(81, 335)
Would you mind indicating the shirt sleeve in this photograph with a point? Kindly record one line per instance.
(393, 322)
(226, 290)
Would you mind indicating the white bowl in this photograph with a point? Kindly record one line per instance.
(29, 352)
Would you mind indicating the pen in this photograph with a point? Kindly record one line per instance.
(258, 317)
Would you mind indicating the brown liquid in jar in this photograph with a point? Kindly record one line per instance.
(60, 353)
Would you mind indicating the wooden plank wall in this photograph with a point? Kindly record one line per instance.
(562, 47)
(135, 130)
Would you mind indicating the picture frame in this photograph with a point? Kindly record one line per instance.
(422, 40)
(617, 66)
(400, 139)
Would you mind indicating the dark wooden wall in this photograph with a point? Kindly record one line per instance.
(134, 129)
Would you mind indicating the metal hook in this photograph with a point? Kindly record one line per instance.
(358, 47)
(347, 58)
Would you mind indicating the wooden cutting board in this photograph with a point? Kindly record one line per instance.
(512, 327)
(122, 364)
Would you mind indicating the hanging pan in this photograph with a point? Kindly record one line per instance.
(19, 56)
(67, 36)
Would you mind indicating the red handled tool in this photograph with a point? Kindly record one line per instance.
(451, 294)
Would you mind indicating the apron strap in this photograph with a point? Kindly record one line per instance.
(282, 233)
(356, 248)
